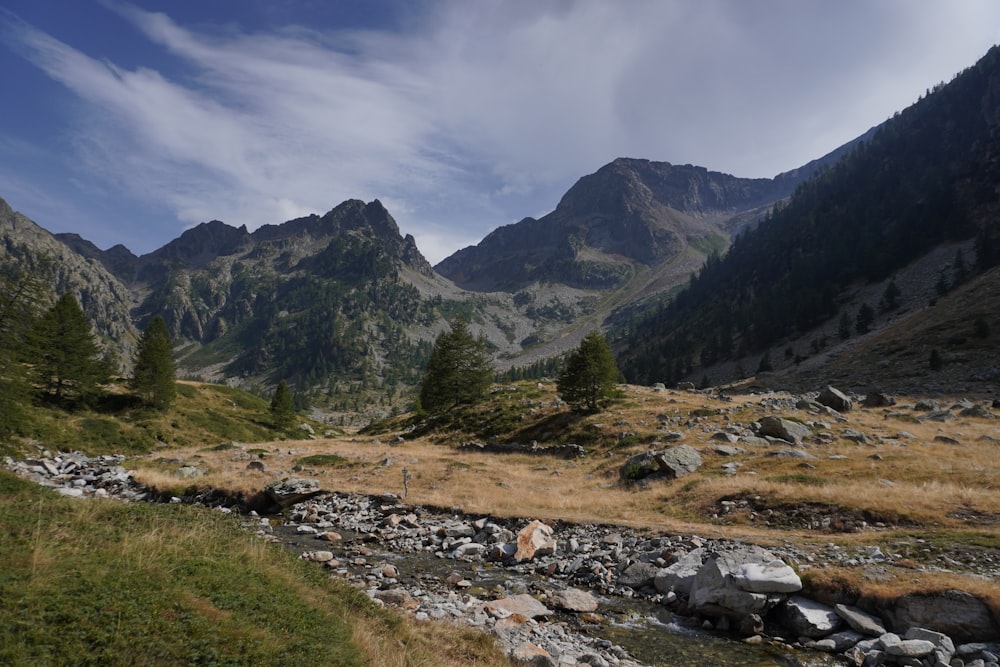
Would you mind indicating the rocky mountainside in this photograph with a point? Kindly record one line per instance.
(106, 300)
(628, 215)
(855, 250)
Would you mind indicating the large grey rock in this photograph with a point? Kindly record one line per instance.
(911, 648)
(808, 618)
(960, 615)
(832, 397)
(573, 599)
(638, 575)
(639, 467)
(713, 591)
(783, 429)
(940, 640)
(861, 621)
(678, 461)
(773, 577)
(680, 575)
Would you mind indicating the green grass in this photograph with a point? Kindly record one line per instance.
(109, 583)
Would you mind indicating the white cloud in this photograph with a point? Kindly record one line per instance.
(482, 113)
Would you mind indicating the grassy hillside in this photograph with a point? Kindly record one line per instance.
(202, 415)
(107, 583)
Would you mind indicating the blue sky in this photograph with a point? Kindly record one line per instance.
(128, 122)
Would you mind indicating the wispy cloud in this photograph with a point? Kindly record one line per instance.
(481, 113)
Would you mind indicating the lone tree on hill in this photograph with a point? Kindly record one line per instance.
(67, 361)
(590, 375)
(282, 406)
(153, 377)
(459, 371)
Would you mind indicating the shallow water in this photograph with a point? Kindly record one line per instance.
(649, 632)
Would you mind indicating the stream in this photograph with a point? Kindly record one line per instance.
(649, 633)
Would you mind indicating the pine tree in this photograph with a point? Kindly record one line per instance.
(67, 362)
(589, 378)
(865, 319)
(153, 378)
(459, 370)
(21, 290)
(282, 407)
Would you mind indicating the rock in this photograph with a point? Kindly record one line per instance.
(911, 648)
(808, 618)
(396, 597)
(638, 575)
(773, 577)
(832, 397)
(678, 461)
(726, 450)
(794, 454)
(573, 599)
(713, 591)
(941, 641)
(187, 472)
(723, 436)
(523, 604)
(861, 621)
(527, 654)
(783, 429)
(960, 615)
(679, 576)
(533, 540)
(639, 467)
(876, 399)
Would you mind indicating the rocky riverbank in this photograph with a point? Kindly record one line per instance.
(546, 591)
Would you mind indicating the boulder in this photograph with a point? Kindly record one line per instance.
(773, 577)
(783, 429)
(861, 621)
(960, 615)
(573, 599)
(713, 591)
(638, 575)
(679, 576)
(523, 604)
(678, 461)
(527, 654)
(639, 466)
(877, 399)
(533, 540)
(832, 397)
(808, 618)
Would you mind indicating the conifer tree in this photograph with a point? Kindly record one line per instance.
(153, 377)
(67, 362)
(282, 406)
(21, 290)
(589, 378)
(459, 370)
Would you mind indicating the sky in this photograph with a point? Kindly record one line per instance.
(129, 122)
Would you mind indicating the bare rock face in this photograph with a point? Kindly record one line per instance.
(533, 540)
(958, 614)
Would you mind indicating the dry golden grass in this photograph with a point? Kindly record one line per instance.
(907, 481)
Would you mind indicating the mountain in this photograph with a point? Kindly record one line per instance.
(105, 299)
(627, 215)
(824, 261)
(694, 274)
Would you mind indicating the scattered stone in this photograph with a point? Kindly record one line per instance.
(832, 397)
(573, 599)
(533, 540)
(783, 429)
(808, 618)
(523, 604)
(861, 621)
